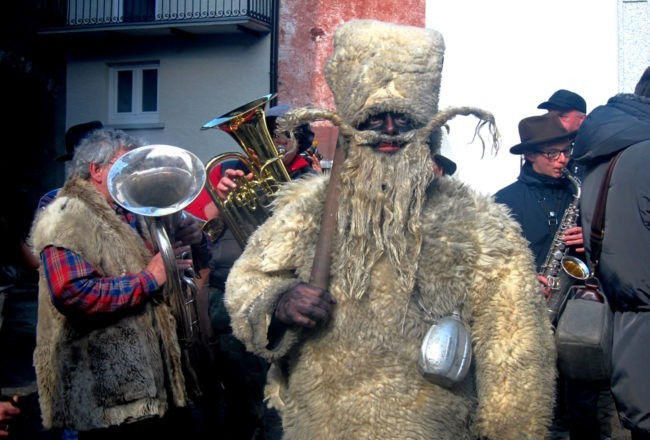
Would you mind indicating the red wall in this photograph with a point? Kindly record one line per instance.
(306, 29)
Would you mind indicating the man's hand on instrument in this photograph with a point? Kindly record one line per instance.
(573, 237)
(157, 267)
(228, 182)
(314, 161)
(189, 231)
(305, 305)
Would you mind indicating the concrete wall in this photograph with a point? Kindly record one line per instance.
(202, 79)
(633, 42)
(198, 80)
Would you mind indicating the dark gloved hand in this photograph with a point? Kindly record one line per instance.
(305, 305)
(189, 231)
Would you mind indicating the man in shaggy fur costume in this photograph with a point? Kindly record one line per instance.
(408, 249)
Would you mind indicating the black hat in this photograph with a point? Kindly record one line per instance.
(539, 130)
(448, 166)
(74, 135)
(564, 99)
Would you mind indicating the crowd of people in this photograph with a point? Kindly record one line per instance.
(318, 319)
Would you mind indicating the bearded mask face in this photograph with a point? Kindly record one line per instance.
(385, 93)
(383, 187)
(385, 79)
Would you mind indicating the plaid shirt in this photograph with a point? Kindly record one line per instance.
(77, 288)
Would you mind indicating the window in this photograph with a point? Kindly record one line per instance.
(133, 93)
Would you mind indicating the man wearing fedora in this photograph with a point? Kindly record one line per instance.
(541, 194)
(538, 200)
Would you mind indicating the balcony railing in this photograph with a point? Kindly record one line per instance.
(100, 13)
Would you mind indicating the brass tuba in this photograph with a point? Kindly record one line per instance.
(157, 182)
(248, 206)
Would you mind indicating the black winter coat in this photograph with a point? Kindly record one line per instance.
(538, 203)
(624, 268)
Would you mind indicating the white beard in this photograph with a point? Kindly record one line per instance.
(379, 213)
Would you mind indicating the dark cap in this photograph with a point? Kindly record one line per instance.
(539, 130)
(74, 135)
(565, 100)
(447, 165)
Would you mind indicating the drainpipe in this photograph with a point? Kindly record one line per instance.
(275, 37)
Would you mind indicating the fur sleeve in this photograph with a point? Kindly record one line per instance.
(277, 257)
(485, 266)
(512, 336)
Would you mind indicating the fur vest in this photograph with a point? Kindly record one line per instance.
(357, 376)
(96, 373)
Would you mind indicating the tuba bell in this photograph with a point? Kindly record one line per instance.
(157, 182)
(247, 207)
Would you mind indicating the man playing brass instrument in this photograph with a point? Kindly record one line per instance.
(242, 374)
(409, 248)
(108, 360)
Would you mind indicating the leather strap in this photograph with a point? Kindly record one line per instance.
(598, 222)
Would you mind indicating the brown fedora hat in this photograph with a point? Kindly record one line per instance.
(538, 130)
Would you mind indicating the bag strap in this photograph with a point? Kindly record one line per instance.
(598, 222)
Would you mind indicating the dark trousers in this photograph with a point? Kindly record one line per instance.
(177, 424)
(582, 402)
(582, 412)
(638, 435)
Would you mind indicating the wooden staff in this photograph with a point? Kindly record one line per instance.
(320, 270)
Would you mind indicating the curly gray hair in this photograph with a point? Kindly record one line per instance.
(99, 147)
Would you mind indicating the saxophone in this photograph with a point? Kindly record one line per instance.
(562, 270)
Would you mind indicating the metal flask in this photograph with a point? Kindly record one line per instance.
(446, 351)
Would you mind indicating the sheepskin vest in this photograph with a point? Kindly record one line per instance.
(357, 377)
(95, 373)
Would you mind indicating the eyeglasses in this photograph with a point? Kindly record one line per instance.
(555, 155)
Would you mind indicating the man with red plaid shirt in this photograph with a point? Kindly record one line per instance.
(107, 359)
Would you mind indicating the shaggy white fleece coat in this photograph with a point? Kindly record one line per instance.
(357, 377)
